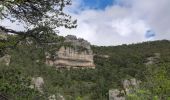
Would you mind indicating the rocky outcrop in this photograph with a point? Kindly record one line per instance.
(38, 83)
(103, 56)
(128, 86)
(115, 94)
(153, 59)
(5, 60)
(58, 97)
(77, 42)
(79, 54)
(52, 97)
(3, 35)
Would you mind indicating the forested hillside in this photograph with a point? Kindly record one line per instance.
(113, 65)
(38, 64)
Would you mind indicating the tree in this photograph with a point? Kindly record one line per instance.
(156, 86)
(16, 86)
(43, 15)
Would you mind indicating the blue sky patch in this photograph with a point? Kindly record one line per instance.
(150, 34)
(97, 4)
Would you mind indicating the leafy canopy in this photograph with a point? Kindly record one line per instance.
(37, 14)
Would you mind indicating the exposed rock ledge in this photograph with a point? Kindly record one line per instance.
(72, 57)
(5, 60)
(128, 86)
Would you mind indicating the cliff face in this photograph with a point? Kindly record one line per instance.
(79, 54)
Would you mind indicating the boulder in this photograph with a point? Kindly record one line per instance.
(38, 83)
(115, 94)
(3, 35)
(52, 97)
(128, 86)
(5, 60)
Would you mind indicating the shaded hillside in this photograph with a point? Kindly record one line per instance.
(133, 56)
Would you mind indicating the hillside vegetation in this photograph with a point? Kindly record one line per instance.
(113, 65)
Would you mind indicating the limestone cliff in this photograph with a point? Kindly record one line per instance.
(77, 54)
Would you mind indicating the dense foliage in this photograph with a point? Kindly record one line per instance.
(122, 62)
(156, 86)
(14, 85)
(39, 18)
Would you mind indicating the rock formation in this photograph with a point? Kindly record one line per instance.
(78, 54)
(153, 59)
(38, 83)
(3, 35)
(128, 86)
(5, 60)
(56, 97)
(52, 97)
(115, 94)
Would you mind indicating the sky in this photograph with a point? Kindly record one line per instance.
(116, 22)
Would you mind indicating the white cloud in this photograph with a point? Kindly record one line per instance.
(113, 26)
(118, 24)
(123, 24)
(16, 25)
(156, 14)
